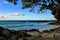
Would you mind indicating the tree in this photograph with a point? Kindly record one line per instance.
(53, 5)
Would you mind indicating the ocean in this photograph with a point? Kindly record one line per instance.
(26, 25)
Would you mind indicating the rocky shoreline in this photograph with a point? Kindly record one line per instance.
(33, 34)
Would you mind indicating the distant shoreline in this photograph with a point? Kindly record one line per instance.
(29, 20)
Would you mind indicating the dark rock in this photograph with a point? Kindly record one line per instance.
(14, 37)
(1, 29)
(3, 38)
(6, 33)
(52, 30)
(33, 30)
(46, 31)
(24, 34)
(57, 37)
(51, 23)
(57, 30)
(54, 23)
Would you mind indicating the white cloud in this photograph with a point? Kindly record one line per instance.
(11, 14)
(7, 16)
(2, 16)
(15, 14)
(5, 2)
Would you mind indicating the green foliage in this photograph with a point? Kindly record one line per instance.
(53, 5)
(58, 1)
(26, 6)
(24, 0)
(10, 0)
(31, 3)
(35, 1)
(42, 3)
(14, 1)
(44, 6)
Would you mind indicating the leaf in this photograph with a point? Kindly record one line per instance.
(24, 0)
(10, 0)
(35, 1)
(44, 6)
(15, 2)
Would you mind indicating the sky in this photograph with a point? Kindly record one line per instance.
(9, 11)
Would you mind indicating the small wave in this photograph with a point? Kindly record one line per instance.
(16, 25)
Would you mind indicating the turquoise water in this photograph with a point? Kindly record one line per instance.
(25, 25)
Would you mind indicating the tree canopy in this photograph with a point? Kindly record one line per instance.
(53, 5)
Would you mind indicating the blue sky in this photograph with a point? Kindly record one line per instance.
(9, 11)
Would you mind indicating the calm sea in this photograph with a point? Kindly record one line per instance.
(26, 25)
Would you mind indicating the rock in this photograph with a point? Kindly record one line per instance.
(1, 29)
(24, 34)
(6, 33)
(57, 30)
(47, 36)
(3, 38)
(35, 33)
(33, 30)
(45, 31)
(51, 30)
(57, 36)
(14, 37)
(54, 23)
(20, 39)
(51, 23)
